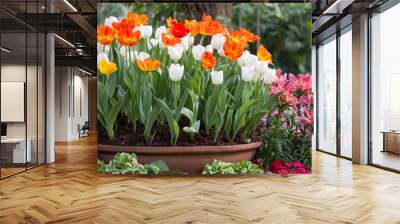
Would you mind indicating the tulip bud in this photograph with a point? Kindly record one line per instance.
(145, 31)
(103, 48)
(185, 43)
(221, 52)
(102, 56)
(242, 59)
(217, 41)
(110, 20)
(247, 73)
(175, 72)
(269, 76)
(251, 59)
(141, 55)
(191, 40)
(175, 52)
(217, 77)
(197, 52)
(159, 31)
(209, 48)
(151, 43)
(261, 67)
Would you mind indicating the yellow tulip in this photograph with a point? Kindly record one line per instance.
(107, 68)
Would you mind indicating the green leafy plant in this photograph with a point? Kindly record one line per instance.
(242, 167)
(288, 127)
(126, 163)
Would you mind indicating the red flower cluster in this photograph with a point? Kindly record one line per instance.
(284, 168)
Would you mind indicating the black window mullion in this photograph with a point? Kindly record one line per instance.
(338, 92)
(26, 87)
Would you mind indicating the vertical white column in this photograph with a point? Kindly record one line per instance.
(50, 93)
(314, 89)
(50, 99)
(360, 90)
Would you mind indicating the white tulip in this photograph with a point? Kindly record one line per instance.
(159, 31)
(221, 52)
(217, 41)
(247, 73)
(269, 76)
(185, 43)
(175, 72)
(261, 67)
(151, 43)
(209, 48)
(242, 59)
(110, 20)
(160, 43)
(217, 77)
(102, 56)
(122, 51)
(141, 55)
(197, 52)
(175, 52)
(99, 48)
(103, 48)
(251, 59)
(145, 31)
(191, 40)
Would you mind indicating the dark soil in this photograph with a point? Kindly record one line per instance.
(126, 136)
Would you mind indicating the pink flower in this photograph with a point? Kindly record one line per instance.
(289, 98)
(304, 83)
(306, 100)
(307, 118)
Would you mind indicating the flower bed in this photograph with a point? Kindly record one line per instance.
(191, 83)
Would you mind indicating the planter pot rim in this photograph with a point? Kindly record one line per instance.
(180, 149)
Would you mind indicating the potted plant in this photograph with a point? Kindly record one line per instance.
(188, 94)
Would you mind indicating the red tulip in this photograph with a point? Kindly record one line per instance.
(179, 30)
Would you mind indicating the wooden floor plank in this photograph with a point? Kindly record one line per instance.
(70, 191)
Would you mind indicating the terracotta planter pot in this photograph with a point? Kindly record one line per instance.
(189, 159)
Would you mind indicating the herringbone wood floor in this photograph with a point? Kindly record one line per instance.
(70, 191)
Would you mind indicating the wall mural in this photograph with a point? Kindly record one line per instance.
(191, 89)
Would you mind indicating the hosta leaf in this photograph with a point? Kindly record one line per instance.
(162, 166)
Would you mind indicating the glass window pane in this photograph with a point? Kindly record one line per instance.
(346, 94)
(13, 86)
(327, 96)
(385, 89)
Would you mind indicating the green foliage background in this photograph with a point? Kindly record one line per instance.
(285, 28)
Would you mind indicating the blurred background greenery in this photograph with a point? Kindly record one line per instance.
(285, 28)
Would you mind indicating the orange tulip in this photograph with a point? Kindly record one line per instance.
(105, 35)
(169, 40)
(193, 26)
(249, 36)
(208, 60)
(232, 49)
(263, 54)
(128, 37)
(238, 38)
(148, 64)
(210, 27)
(136, 19)
(122, 26)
